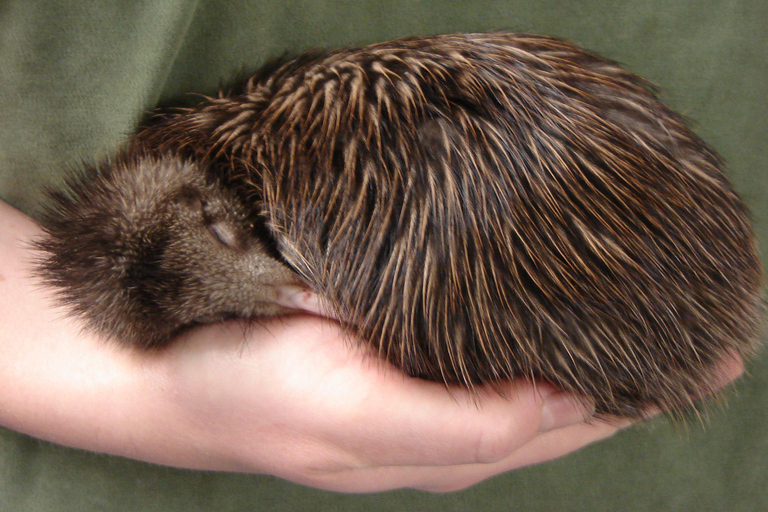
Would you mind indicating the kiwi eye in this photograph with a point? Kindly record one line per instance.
(223, 233)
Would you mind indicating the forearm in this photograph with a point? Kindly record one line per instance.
(62, 384)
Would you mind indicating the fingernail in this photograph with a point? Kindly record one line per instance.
(561, 409)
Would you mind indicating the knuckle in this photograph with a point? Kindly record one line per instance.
(494, 445)
(499, 439)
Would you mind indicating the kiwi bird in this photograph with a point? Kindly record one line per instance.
(476, 207)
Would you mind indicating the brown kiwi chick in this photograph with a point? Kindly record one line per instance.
(480, 207)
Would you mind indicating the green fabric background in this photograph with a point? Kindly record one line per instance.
(75, 76)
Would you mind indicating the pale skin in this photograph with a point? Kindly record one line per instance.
(290, 397)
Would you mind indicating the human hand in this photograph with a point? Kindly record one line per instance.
(294, 399)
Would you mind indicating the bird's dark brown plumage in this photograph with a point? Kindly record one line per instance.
(481, 207)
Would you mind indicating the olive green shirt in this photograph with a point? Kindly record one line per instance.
(76, 77)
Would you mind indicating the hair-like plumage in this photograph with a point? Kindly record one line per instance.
(143, 246)
(488, 206)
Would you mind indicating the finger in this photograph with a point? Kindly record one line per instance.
(545, 447)
(548, 446)
(556, 443)
(729, 369)
(422, 423)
